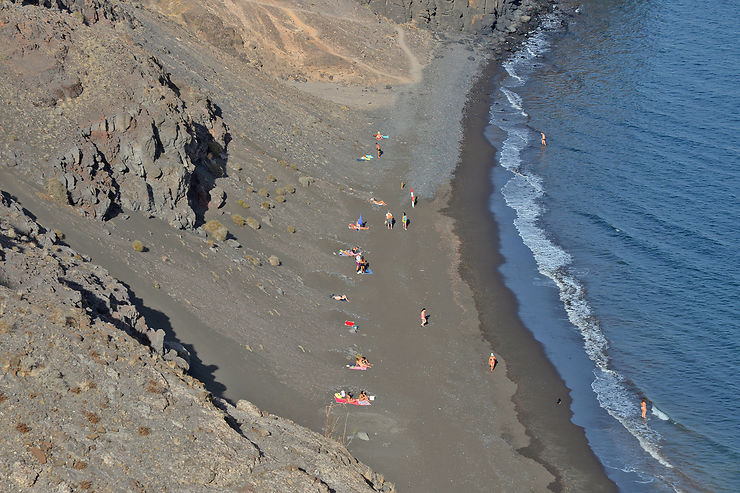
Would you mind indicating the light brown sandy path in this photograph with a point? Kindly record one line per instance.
(274, 10)
(415, 68)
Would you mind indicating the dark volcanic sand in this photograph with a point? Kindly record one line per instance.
(556, 442)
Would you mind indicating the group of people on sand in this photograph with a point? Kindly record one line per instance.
(362, 398)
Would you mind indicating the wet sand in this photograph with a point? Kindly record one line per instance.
(555, 441)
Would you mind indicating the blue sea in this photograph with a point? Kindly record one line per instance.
(622, 235)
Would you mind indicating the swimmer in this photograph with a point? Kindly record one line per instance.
(339, 297)
(492, 361)
(543, 141)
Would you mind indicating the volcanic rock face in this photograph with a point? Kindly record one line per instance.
(474, 16)
(85, 406)
(143, 150)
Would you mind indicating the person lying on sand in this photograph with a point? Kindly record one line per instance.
(362, 361)
(339, 297)
(376, 201)
(363, 397)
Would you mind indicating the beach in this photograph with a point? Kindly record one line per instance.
(271, 334)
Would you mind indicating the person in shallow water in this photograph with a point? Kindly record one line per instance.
(643, 407)
(543, 141)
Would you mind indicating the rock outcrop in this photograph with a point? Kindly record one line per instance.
(84, 405)
(154, 147)
(472, 16)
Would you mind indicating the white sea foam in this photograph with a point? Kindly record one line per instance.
(660, 414)
(515, 100)
(523, 193)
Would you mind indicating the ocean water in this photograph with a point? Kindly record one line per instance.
(622, 235)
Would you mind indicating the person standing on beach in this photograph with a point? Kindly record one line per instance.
(543, 141)
(405, 221)
(492, 361)
(389, 220)
(380, 151)
(423, 316)
(413, 197)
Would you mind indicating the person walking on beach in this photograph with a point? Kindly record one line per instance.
(492, 361)
(405, 221)
(413, 197)
(643, 407)
(423, 316)
(543, 141)
(389, 220)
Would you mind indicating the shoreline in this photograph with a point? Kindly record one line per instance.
(556, 442)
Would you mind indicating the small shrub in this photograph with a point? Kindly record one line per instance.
(279, 191)
(280, 198)
(263, 193)
(216, 229)
(272, 178)
(253, 223)
(57, 191)
(6, 327)
(274, 260)
(137, 246)
(85, 485)
(22, 428)
(154, 388)
(255, 261)
(266, 205)
(2, 397)
(239, 220)
(291, 229)
(294, 167)
(92, 417)
(79, 465)
(144, 431)
(341, 188)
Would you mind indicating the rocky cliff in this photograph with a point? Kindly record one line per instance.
(472, 16)
(104, 127)
(84, 405)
